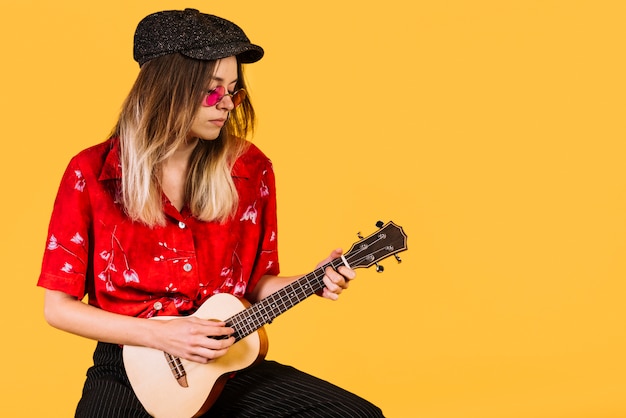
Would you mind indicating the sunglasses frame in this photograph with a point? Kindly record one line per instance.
(214, 96)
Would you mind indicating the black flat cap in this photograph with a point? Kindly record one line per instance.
(193, 34)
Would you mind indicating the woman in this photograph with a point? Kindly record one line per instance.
(175, 207)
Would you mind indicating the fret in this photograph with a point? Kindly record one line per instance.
(266, 310)
(264, 313)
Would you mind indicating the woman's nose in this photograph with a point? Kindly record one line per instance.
(226, 103)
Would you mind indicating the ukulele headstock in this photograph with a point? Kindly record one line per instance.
(389, 240)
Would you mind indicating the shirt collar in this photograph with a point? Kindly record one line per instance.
(240, 170)
(112, 168)
(243, 165)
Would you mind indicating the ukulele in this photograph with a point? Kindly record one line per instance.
(169, 387)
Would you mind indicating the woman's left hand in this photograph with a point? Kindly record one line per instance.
(335, 281)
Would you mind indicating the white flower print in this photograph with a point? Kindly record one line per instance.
(80, 181)
(229, 285)
(265, 191)
(250, 214)
(53, 243)
(129, 274)
(77, 239)
(228, 274)
(67, 267)
(180, 255)
(240, 289)
(175, 255)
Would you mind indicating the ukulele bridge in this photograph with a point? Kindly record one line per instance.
(176, 366)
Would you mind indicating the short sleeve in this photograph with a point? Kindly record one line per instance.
(65, 260)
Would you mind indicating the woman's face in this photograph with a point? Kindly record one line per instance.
(209, 120)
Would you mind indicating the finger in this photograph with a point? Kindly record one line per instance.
(218, 332)
(212, 328)
(204, 349)
(331, 286)
(206, 355)
(346, 272)
(336, 253)
(218, 343)
(211, 348)
(339, 278)
(329, 295)
(333, 254)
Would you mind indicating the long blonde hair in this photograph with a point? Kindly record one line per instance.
(155, 120)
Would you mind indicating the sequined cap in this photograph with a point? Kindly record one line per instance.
(193, 34)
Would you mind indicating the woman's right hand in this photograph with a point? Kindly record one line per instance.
(195, 339)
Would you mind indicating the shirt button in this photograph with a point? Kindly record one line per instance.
(158, 306)
(187, 267)
(181, 225)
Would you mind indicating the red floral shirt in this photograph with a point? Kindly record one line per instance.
(129, 268)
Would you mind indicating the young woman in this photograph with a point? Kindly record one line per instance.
(177, 206)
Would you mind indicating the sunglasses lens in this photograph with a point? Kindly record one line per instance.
(214, 96)
(238, 97)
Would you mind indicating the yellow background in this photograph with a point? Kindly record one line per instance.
(492, 131)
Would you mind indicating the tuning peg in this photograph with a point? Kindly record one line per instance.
(379, 268)
(380, 224)
(398, 258)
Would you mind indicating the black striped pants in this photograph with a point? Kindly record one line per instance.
(269, 389)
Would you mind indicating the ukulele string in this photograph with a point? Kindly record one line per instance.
(264, 311)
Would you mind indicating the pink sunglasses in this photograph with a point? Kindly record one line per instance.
(214, 96)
